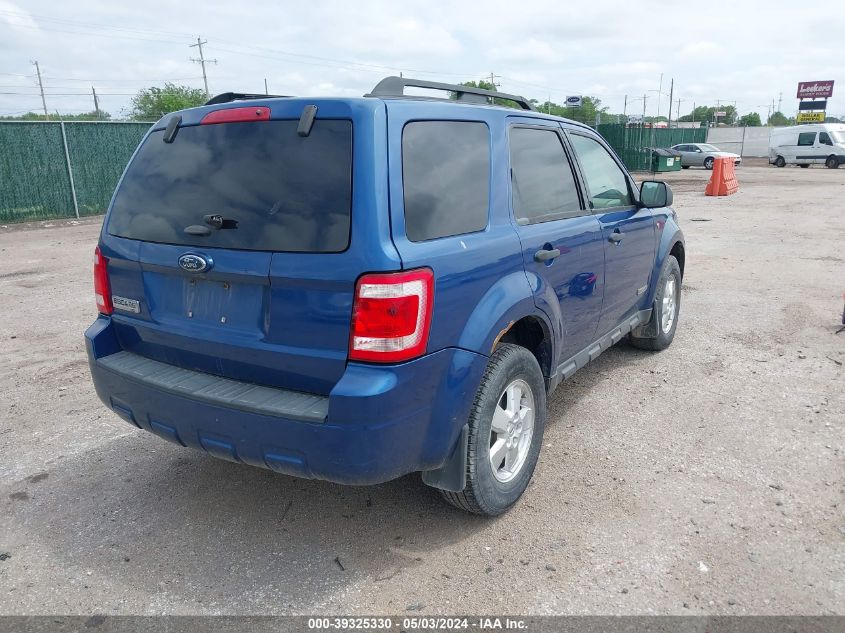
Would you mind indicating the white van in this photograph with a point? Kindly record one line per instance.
(805, 145)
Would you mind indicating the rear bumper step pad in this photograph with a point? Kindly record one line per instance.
(292, 405)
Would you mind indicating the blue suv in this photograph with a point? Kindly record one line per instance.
(354, 289)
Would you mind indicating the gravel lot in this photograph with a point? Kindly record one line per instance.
(704, 479)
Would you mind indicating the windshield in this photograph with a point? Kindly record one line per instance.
(248, 186)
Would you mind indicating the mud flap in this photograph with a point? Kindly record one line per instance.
(451, 476)
(649, 328)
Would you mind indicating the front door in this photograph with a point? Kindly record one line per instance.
(561, 239)
(627, 230)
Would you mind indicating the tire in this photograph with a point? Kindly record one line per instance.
(804, 166)
(708, 162)
(662, 303)
(492, 494)
(780, 162)
(832, 162)
(684, 166)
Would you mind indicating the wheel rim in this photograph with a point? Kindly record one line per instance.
(670, 304)
(511, 430)
(708, 163)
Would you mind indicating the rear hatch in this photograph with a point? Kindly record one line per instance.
(241, 241)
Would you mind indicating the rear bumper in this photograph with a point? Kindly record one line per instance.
(382, 421)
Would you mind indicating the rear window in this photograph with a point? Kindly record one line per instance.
(275, 190)
(446, 174)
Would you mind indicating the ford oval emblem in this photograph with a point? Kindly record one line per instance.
(194, 263)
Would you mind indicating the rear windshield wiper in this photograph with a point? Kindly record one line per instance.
(215, 221)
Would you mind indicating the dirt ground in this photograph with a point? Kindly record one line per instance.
(707, 478)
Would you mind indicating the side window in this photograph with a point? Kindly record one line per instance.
(543, 183)
(806, 138)
(606, 181)
(446, 174)
(824, 138)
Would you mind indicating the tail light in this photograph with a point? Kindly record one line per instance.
(102, 288)
(391, 316)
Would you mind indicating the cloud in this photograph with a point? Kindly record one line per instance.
(609, 49)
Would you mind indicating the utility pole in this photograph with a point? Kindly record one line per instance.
(780, 100)
(202, 61)
(96, 103)
(493, 81)
(41, 87)
(625, 110)
(671, 95)
(659, 94)
(716, 115)
(265, 87)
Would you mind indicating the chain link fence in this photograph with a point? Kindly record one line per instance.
(62, 169)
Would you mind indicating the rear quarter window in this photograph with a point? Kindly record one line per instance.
(806, 139)
(446, 178)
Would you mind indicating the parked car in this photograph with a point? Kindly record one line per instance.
(702, 155)
(354, 289)
(805, 145)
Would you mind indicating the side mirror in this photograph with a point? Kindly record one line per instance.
(655, 194)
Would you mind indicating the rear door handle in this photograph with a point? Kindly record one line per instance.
(616, 236)
(545, 254)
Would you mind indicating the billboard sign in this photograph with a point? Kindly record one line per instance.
(573, 102)
(812, 105)
(815, 89)
(810, 117)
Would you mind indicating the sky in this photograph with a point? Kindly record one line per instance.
(744, 52)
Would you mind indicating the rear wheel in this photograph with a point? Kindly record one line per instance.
(684, 166)
(780, 162)
(803, 166)
(708, 162)
(667, 306)
(832, 162)
(505, 433)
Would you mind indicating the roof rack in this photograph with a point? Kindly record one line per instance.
(395, 87)
(226, 97)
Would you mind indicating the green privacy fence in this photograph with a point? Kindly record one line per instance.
(633, 144)
(62, 170)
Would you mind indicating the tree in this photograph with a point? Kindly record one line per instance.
(587, 112)
(486, 85)
(778, 119)
(35, 116)
(150, 104)
(752, 119)
(708, 114)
